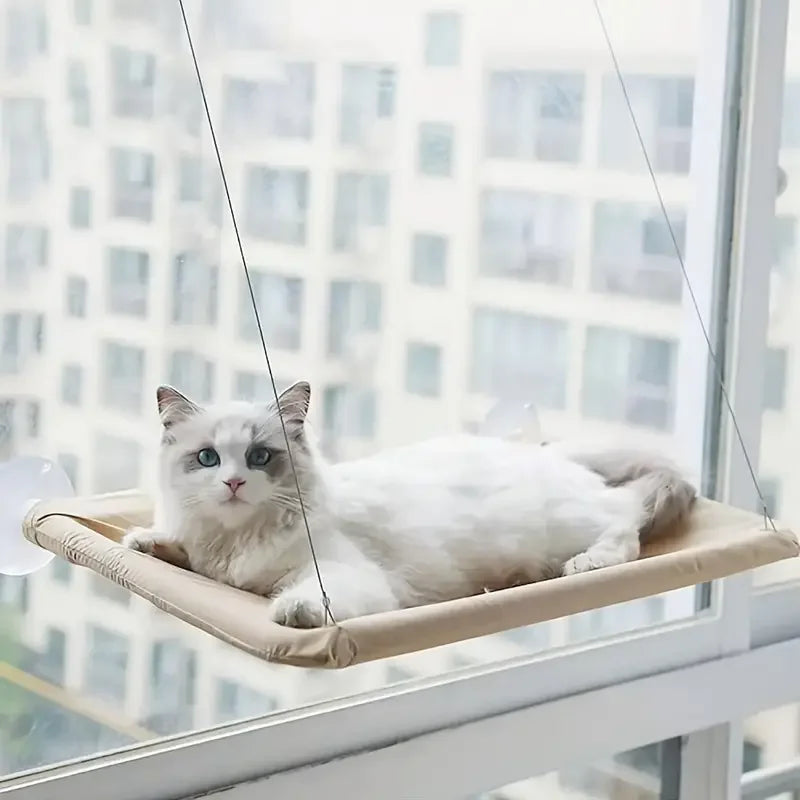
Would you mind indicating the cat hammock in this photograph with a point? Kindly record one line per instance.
(717, 541)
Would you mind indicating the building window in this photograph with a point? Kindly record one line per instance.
(51, 663)
(280, 308)
(790, 129)
(354, 308)
(771, 491)
(128, 277)
(26, 251)
(117, 463)
(276, 204)
(429, 259)
(82, 12)
(520, 357)
(349, 411)
(107, 655)
(775, 379)
(80, 207)
(108, 590)
(78, 92)
(360, 213)
(528, 236)
(34, 415)
(27, 147)
(281, 108)
(424, 369)
(190, 179)
(61, 570)
(133, 181)
(173, 676)
(71, 384)
(666, 104)
(629, 378)
(122, 376)
(21, 336)
(69, 463)
(535, 115)
(236, 702)
(256, 387)
(442, 39)
(77, 289)
(194, 290)
(26, 40)
(633, 252)
(133, 76)
(192, 374)
(367, 104)
(435, 149)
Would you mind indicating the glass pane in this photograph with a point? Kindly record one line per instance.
(460, 222)
(646, 773)
(781, 416)
(772, 740)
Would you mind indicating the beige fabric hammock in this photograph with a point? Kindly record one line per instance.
(718, 541)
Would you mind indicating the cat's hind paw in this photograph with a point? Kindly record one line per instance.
(580, 563)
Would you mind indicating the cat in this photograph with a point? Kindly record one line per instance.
(438, 520)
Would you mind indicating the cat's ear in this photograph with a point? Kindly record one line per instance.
(294, 402)
(173, 406)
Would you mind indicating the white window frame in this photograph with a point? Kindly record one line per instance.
(542, 712)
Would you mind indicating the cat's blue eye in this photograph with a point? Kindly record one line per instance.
(258, 456)
(208, 457)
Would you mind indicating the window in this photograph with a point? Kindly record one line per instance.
(354, 309)
(77, 288)
(80, 207)
(255, 387)
(26, 251)
(234, 701)
(283, 108)
(194, 290)
(133, 77)
(361, 211)
(21, 338)
(27, 147)
(664, 107)
(79, 95)
(82, 12)
(51, 665)
(435, 154)
(173, 672)
(132, 184)
(424, 369)
(26, 39)
(127, 283)
(107, 657)
(629, 378)
(71, 384)
(775, 379)
(34, 416)
(122, 380)
(535, 115)
(190, 179)
(280, 309)
(108, 590)
(429, 259)
(771, 490)
(69, 463)
(790, 130)
(192, 374)
(117, 463)
(60, 570)
(633, 252)
(528, 236)
(519, 356)
(276, 204)
(442, 39)
(349, 411)
(367, 105)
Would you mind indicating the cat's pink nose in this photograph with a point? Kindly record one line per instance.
(233, 484)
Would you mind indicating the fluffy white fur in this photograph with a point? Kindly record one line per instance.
(432, 521)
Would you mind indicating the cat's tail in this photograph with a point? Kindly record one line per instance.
(667, 495)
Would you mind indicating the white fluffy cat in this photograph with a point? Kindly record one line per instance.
(433, 521)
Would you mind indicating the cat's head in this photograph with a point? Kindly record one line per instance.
(230, 462)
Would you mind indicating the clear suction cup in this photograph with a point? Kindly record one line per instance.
(23, 482)
(513, 419)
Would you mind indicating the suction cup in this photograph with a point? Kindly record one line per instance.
(24, 482)
(513, 419)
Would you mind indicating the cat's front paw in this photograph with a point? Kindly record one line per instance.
(580, 563)
(145, 540)
(297, 611)
(142, 540)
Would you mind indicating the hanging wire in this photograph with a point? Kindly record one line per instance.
(715, 361)
(325, 599)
